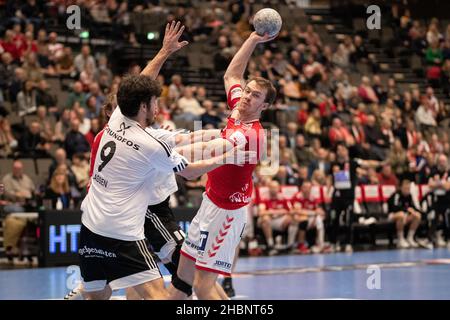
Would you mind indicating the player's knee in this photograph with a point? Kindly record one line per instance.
(265, 221)
(400, 216)
(186, 274)
(201, 288)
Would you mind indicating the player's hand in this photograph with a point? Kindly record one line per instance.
(2, 188)
(239, 156)
(261, 39)
(171, 37)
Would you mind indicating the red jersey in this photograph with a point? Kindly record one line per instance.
(230, 186)
(305, 203)
(278, 203)
(94, 150)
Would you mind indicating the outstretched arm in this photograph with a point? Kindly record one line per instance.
(196, 136)
(236, 69)
(170, 45)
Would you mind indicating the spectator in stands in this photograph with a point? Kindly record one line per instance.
(80, 168)
(318, 178)
(310, 215)
(398, 159)
(286, 176)
(386, 176)
(403, 211)
(32, 144)
(44, 98)
(46, 122)
(190, 108)
(359, 52)
(210, 116)
(26, 99)
(58, 190)
(62, 126)
(18, 192)
(291, 133)
(223, 55)
(9, 46)
(433, 55)
(85, 122)
(285, 150)
(7, 141)
(103, 75)
(56, 50)
(59, 158)
(432, 100)
(75, 141)
(176, 88)
(439, 184)
(366, 92)
(341, 57)
(425, 115)
(6, 74)
(313, 125)
(290, 88)
(303, 153)
(84, 59)
(375, 137)
(65, 64)
(338, 132)
(408, 134)
(92, 111)
(320, 161)
(275, 213)
(17, 84)
(87, 76)
(76, 95)
(95, 128)
(433, 35)
(33, 70)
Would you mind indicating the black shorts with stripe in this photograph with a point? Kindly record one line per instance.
(162, 230)
(115, 262)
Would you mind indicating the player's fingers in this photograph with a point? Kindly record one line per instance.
(177, 26)
(172, 25)
(180, 31)
(183, 44)
(167, 28)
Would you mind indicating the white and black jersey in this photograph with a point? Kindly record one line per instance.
(128, 159)
(165, 183)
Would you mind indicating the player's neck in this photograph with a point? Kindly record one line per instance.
(245, 117)
(141, 120)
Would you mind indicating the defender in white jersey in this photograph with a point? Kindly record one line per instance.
(113, 250)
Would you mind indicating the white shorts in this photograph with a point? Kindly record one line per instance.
(277, 223)
(392, 215)
(213, 236)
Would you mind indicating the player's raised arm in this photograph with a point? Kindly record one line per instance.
(236, 69)
(170, 46)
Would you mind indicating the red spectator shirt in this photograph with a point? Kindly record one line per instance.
(278, 203)
(94, 150)
(305, 203)
(230, 186)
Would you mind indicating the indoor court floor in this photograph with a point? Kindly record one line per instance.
(403, 274)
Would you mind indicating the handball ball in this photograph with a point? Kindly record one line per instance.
(267, 20)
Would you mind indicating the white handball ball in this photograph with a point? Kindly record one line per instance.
(267, 20)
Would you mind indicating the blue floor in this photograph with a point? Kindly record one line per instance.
(404, 274)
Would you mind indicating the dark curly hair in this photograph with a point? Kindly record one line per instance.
(133, 91)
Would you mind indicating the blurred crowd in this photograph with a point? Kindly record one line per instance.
(397, 133)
